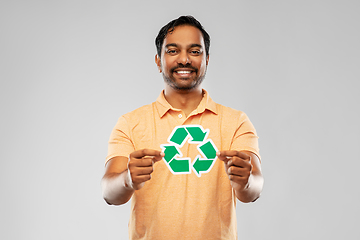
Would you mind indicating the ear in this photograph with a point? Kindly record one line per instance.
(158, 62)
(207, 59)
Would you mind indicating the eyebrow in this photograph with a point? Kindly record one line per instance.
(196, 45)
(175, 45)
(171, 45)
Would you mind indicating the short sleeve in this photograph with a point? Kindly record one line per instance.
(120, 143)
(245, 138)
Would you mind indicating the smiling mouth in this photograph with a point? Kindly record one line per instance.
(183, 72)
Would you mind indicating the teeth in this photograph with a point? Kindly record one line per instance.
(183, 72)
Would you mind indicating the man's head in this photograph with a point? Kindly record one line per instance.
(183, 53)
(183, 20)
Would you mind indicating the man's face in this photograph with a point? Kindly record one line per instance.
(183, 59)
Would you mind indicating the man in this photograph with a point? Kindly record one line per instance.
(165, 155)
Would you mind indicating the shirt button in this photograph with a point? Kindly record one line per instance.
(180, 115)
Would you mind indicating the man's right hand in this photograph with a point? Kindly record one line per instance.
(140, 167)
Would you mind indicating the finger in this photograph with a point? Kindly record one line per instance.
(238, 171)
(239, 162)
(142, 162)
(223, 156)
(141, 178)
(228, 153)
(146, 152)
(142, 170)
(237, 179)
(158, 157)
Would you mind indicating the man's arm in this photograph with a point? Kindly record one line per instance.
(123, 176)
(244, 171)
(115, 182)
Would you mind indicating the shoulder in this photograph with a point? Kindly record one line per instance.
(139, 111)
(136, 116)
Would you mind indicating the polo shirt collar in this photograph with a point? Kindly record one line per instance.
(206, 103)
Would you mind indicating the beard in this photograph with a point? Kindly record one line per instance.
(185, 84)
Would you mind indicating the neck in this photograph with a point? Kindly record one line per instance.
(187, 101)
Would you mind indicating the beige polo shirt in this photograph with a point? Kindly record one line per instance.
(183, 206)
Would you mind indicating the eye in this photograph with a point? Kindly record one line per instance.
(171, 51)
(195, 52)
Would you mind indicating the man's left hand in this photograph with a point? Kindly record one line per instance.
(238, 167)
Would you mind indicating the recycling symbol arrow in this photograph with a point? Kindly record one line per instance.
(196, 134)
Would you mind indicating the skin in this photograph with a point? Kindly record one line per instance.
(121, 180)
(183, 49)
(183, 64)
(244, 171)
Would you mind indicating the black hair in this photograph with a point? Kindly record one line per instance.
(183, 20)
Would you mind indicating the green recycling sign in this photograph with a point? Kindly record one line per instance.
(196, 134)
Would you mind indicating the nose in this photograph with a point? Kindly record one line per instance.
(184, 58)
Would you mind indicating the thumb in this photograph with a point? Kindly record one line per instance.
(158, 157)
(222, 156)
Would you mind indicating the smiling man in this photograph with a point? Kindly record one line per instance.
(184, 159)
(183, 59)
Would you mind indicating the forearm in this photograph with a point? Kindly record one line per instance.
(252, 192)
(116, 188)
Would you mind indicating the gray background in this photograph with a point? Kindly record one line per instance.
(69, 69)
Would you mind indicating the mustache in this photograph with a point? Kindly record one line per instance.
(180, 65)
